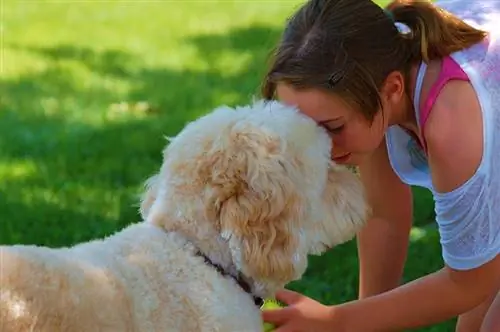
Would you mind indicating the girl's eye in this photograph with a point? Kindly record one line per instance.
(336, 130)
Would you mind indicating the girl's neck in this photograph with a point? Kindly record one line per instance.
(406, 117)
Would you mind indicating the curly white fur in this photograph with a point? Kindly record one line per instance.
(253, 188)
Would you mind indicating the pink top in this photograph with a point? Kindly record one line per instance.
(450, 70)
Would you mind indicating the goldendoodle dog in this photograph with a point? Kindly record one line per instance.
(243, 196)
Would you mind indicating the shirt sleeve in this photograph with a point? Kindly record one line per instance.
(469, 222)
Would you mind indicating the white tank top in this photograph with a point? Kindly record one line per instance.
(469, 216)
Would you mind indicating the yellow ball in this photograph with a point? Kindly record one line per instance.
(268, 305)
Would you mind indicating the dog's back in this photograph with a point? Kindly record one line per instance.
(140, 279)
(47, 290)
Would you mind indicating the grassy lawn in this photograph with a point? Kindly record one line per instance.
(73, 159)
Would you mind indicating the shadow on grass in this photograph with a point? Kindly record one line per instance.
(88, 174)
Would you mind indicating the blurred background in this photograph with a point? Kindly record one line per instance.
(88, 91)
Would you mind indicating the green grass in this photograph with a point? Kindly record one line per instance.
(72, 166)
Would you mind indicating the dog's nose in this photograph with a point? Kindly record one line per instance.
(327, 247)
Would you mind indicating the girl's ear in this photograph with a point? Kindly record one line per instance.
(393, 89)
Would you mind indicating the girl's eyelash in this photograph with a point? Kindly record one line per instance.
(335, 130)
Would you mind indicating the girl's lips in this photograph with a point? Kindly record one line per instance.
(342, 158)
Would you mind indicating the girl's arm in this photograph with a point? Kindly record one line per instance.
(431, 299)
(383, 242)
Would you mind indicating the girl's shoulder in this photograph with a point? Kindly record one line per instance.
(454, 136)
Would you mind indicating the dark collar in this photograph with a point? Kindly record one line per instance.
(239, 279)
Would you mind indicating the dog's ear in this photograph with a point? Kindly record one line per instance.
(149, 195)
(259, 205)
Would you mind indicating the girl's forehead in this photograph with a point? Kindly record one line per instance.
(315, 103)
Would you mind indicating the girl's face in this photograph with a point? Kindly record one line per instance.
(353, 136)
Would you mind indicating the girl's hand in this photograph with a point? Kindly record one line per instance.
(302, 314)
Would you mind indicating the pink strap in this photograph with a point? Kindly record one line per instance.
(450, 70)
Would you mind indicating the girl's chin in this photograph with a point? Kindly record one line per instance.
(350, 159)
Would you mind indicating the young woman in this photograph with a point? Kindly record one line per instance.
(417, 105)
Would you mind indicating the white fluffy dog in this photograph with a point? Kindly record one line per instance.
(243, 197)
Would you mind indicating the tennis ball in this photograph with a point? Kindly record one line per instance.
(268, 305)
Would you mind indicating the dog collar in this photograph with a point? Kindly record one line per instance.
(239, 279)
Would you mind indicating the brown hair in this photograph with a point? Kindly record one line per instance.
(350, 46)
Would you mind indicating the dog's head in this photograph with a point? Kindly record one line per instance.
(256, 184)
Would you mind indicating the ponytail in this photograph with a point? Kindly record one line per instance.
(434, 32)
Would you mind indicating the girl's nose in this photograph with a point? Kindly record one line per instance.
(336, 152)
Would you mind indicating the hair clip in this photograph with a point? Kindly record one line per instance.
(335, 78)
